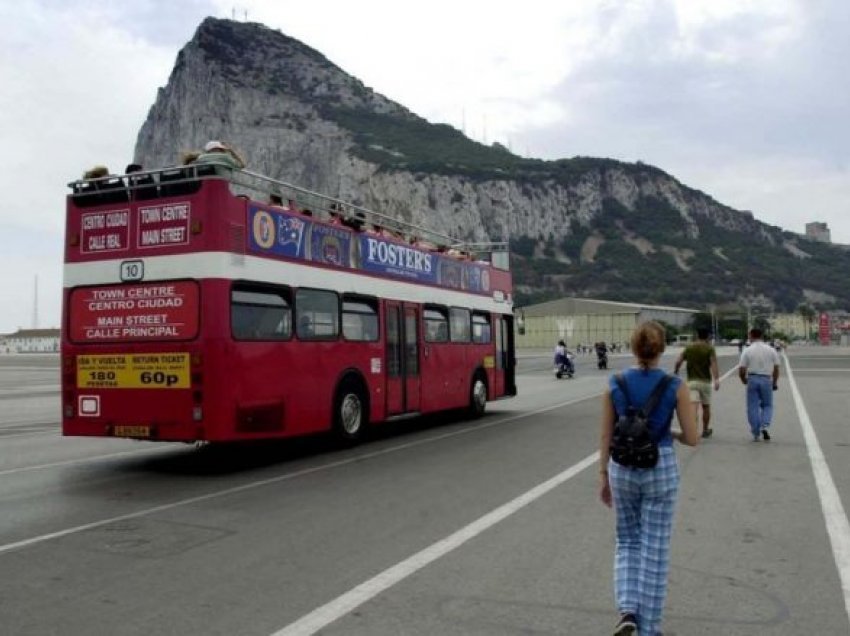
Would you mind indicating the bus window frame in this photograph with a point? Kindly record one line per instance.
(281, 291)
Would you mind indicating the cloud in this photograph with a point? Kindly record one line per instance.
(743, 99)
(77, 93)
(719, 101)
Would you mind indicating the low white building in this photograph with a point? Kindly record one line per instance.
(30, 341)
(586, 320)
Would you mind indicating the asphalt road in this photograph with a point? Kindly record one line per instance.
(442, 526)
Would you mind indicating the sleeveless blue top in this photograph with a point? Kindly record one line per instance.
(641, 383)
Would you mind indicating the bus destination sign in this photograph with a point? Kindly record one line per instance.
(142, 312)
(105, 231)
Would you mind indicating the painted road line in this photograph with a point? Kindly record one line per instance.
(24, 543)
(323, 616)
(332, 611)
(837, 526)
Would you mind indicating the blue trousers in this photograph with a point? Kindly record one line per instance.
(645, 502)
(759, 402)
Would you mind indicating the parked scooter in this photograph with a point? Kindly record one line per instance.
(564, 365)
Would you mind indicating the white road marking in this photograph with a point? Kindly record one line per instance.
(837, 525)
(8, 547)
(328, 613)
(337, 608)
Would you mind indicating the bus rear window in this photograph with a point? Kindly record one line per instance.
(260, 313)
(161, 311)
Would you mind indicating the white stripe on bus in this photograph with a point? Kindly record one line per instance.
(228, 266)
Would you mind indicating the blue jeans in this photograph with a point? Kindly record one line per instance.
(759, 402)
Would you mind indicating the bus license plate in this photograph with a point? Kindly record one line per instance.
(131, 431)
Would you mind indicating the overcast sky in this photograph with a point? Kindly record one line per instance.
(745, 100)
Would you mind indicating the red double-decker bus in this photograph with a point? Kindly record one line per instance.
(203, 304)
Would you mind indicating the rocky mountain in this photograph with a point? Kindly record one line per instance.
(580, 226)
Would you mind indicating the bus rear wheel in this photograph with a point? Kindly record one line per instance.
(351, 412)
(478, 396)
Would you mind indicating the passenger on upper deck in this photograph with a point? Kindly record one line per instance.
(98, 172)
(189, 157)
(220, 153)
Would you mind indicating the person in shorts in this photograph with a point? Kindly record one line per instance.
(702, 372)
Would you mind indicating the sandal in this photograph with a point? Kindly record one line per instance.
(707, 432)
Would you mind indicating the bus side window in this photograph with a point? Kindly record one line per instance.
(317, 314)
(459, 319)
(436, 321)
(359, 318)
(481, 328)
(259, 312)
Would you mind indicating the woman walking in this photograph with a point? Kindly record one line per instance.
(644, 499)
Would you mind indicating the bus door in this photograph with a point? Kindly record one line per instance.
(499, 370)
(505, 363)
(402, 357)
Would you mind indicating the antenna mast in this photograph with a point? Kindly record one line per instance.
(35, 305)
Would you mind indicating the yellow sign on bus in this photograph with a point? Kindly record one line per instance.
(135, 371)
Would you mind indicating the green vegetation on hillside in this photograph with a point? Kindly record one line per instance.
(415, 145)
(753, 264)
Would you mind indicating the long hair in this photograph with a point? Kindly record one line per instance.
(648, 342)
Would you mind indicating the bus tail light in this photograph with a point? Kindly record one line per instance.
(74, 240)
(197, 226)
(197, 376)
(69, 381)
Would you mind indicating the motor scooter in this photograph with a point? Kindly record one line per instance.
(564, 366)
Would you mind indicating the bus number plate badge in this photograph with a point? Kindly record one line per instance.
(132, 270)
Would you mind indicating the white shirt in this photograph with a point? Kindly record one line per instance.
(759, 358)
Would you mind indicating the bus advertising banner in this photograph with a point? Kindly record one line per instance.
(144, 312)
(277, 233)
(395, 259)
(330, 245)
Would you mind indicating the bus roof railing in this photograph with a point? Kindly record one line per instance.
(186, 179)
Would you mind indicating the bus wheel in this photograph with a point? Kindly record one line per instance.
(351, 412)
(478, 396)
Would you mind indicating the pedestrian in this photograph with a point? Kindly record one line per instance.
(644, 498)
(220, 153)
(701, 370)
(759, 370)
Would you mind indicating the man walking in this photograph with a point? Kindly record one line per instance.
(759, 370)
(702, 371)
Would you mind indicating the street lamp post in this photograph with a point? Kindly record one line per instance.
(713, 309)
